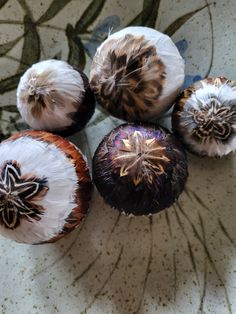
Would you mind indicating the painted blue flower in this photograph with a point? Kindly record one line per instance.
(182, 46)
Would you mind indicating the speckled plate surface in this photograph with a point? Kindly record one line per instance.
(180, 261)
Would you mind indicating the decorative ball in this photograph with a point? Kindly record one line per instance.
(140, 169)
(136, 73)
(204, 117)
(54, 96)
(44, 187)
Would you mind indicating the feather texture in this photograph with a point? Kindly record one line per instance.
(130, 79)
(205, 117)
(139, 168)
(136, 72)
(45, 155)
(53, 96)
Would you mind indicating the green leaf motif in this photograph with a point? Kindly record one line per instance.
(89, 15)
(2, 3)
(148, 15)
(10, 83)
(31, 47)
(10, 108)
(76, 49)
(25, 7)
(58, 55)
(137, 20)
(55, 7)
(12, 125)
(150, 12)
(8, 46)
(173, 27)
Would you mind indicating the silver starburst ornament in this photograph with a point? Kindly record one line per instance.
(204, 117)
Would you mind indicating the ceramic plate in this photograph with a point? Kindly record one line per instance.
(182, 260)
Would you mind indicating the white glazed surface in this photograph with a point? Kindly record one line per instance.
(181, 261)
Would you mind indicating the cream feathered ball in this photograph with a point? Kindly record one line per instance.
(45, 187)
(204, 117)
(54, 96)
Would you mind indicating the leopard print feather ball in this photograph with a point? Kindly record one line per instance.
(136, 73)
